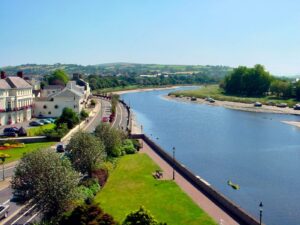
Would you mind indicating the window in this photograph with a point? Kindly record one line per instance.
(49, 113)
(56, 106)
(45, 107)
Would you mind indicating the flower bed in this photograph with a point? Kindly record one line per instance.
(7, 146)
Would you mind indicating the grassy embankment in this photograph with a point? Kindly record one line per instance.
(215, 92)
(17, 153)
(36, 131)
(131, 185)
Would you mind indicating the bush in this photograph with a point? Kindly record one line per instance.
(141, 216)
(88, 214)
(83, 115)
(84, 193)
(128, 147)
(58, 132)
(69, 117)
(101, 175)
(92, 184)
(93, 102)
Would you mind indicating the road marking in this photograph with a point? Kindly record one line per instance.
(12, 215)
(7, 201)
(31, 218)
(121, 116)
(115, 117)
(23, 215)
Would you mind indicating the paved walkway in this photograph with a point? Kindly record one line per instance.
(198, 197)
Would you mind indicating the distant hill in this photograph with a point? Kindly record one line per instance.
(114, 69)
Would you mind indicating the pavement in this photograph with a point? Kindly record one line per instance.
(197, 196)
(24, 214)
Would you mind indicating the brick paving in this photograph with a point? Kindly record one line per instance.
(197, 196)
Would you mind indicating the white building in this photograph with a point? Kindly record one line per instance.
(52, 103)
(16, 99)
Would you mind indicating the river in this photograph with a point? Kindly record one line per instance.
(255, 150)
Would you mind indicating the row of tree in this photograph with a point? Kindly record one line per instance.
(99, 82)
(257, 81)
(54, 182)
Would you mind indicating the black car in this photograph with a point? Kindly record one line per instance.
(10, 134)
(11, 129)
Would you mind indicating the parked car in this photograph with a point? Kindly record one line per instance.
(51, 120)
(297, 107)
(10, 134)
(105, 119)
(4, 211)
(35, 123)
(45, 121)
(257, 104)
(60, 148)
(11, 130)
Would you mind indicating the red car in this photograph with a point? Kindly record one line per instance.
(105, 119)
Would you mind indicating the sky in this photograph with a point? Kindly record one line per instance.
(200, 32)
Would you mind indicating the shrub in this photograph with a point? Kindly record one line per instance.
(93, 102)
(141, 216)
(87, 214)
(84, 192)
(83, 114)
(128, 147)
(101, 175)
(69, 117)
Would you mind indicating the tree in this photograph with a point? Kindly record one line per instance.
(47, 179)
(3, 157)
(281, 88)
(247, 81)
(83, 114)
(88, 214)
(297, 89)
(69, 117)
(111, 138)
(85, 152)
(141, 216)
(58, 77)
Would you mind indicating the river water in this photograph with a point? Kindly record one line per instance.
(255, 150)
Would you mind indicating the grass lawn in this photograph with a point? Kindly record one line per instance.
(17, 153)
(131, 185)
(36, 131)
(215, 92)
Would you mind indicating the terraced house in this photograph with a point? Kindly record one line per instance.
(16, 99)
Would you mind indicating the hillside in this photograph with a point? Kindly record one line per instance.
(111, 69)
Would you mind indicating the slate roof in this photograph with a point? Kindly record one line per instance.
(17, 82)
(4, 84)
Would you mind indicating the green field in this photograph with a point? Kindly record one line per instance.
(36, 131)
(17, 153)
(132, 185)
(215, 92)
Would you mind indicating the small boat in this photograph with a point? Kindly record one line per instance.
(211, 100)
(281, 105)
(234, 186)
(193, 98)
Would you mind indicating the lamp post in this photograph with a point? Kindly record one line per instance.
(173, 163)
(260, 212)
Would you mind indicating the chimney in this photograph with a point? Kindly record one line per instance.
(3, 76)
(20, 74)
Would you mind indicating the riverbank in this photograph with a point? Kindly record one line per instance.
(249, 107)
(143, 89)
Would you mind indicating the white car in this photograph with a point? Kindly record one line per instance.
(4, 211)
